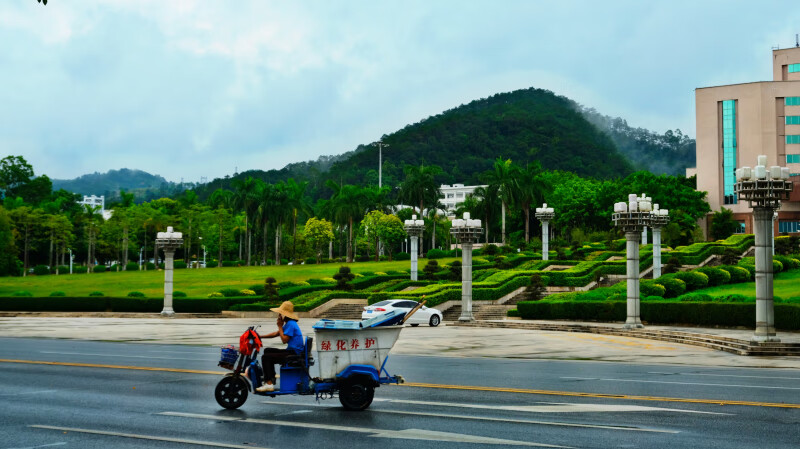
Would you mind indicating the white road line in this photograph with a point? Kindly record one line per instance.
(146, 437)
(28, 392)
(682, 383)
(60, 443)
(727, 375)
(124, 356)
(407, 434)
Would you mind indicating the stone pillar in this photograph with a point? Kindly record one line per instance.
(466, 282)
(545, 240)
(656, 252)
(633, 320)
(414, 245)
(765, 311)
(168, 265)
(644, 235)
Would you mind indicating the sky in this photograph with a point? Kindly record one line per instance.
(189, 89)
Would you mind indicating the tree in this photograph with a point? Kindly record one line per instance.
(531, 189)
(8, 250)
(430, 270)
(347, 206)
(299, 203)
(503, 177)
(270, 289)
(536, 289)
(420, 187)
(245, 198)
(723, 224)
(26, 220)
(318, 234)
(455, 270)
(15, 172)
(391, 232)
(370, 225)
(343, 277)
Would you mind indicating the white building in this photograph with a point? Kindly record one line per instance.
(97, 201)
(453, 196)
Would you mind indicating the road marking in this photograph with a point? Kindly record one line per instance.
(681, 383)
(486, 418)
(726, 375)
(124, 356)
(600, 395)
(60, 443)
(146, 437)
(96, 365)
(28, 392)
(407, 434)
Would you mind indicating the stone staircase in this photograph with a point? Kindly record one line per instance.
(717, 342)
(343, 312)
(479, 311)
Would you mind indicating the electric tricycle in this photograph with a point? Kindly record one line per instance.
(352, 358)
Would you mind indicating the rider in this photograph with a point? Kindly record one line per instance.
(289, 332)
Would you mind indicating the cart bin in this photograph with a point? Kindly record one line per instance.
(338, 349)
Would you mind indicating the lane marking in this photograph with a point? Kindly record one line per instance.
(123, 356)
(60, 443)
(726, 375)
(406, 434)
(680, 383)
(96, 365)
(486, 418)
(146, 437)
(600, 395)
(450, 387)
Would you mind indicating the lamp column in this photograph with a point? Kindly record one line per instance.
(631, 218)
(168, 241)
(658, 219)
(414, 228)
(764, 188)
(467, 231)
(544, 214)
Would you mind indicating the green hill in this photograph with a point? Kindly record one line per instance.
(144, 185)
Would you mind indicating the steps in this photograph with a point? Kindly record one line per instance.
(716, 342)
(492, 311)
(343, 312)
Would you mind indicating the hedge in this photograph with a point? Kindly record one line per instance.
(787, 316)
(716, 276)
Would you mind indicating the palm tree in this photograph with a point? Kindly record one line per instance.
(531, 189)
(245, 198)
(91, 214)
(299, 203)
(483, 202)
(503, 176)
(347, 205)
(420, 187)
(280, 209)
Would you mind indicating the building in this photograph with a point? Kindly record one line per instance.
(453, 196)
(738, 122)
(97, 201)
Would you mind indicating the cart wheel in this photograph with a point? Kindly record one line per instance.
(356, 396)
(434, 321)
(231, 392)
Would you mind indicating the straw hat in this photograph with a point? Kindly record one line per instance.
(286, 309)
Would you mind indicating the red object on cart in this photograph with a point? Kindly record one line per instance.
(249, 341)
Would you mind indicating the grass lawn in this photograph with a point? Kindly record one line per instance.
(785, 285)
(195, 283)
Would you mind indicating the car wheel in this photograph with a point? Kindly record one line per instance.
(435, 320)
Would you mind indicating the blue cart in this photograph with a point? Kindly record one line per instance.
(352, 357)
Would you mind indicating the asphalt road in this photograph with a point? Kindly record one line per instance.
(451, 403)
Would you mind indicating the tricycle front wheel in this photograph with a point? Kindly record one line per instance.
(231, 392)
(356, 396)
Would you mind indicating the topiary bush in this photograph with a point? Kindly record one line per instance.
(216, 295)
(179, 265)
(650, 288)
(58, 294)
(22, 293)
(694, 280)
(695, 297)
(454, 273)
(311, 260)
(270, 289)
(430, 269)
(97, 293)
(673, 287)
(435, 253)
(132, 266)
(738, 274)
(62, 269)
(136, 295)
(402, 256)
(99, 269)
(343, 278)
(229, 292)
(80, 269)
(716, 276)
(490, 249)
(247, 292)
(178, 294)
(41, 270)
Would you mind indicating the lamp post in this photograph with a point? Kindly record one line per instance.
(414, 228)
(658, 219)
(544, 214)
(764, 188)
(70, 260)
(140, 257)
(204, 256)
(168, 241)
(467, 231)
(644, 197)
(380, 146)
(631, 218)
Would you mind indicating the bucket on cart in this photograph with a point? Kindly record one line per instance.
(339, 348)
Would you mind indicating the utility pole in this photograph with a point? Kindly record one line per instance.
(380, 146)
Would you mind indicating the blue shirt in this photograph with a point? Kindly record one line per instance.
(292, 330)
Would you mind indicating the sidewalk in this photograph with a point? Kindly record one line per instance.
(442, 341)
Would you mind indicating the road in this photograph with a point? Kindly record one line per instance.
(161, 396)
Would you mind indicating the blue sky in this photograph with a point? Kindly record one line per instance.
(187, 89)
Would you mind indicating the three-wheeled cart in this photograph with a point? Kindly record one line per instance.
(352, 358)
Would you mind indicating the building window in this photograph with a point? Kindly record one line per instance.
(729, 150)
(794, 68)
(792, 138)
(793, 158)
(740, 229)
(793, 119)
(788, 226)
(792, 101)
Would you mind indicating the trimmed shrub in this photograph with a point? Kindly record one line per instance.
(178, 294)
(115, 268)
(402, 256)
(178, 265)
(216, 295)
(694, 280)
(58, 294)
(229, 292)
(673, 287)
(97, 294)
(80, 269)
(431, 268)
(513, 313)
(738, 274)
(270, 289)
(247, 292)
(63, 269)
(695, 297)
(258, 288)
(136, 295)
(716, 276)
(311, 260)
(22, 293)
(490, 249)
(738, 298)
(343, 278)
(132, 266)
(787, 262)
(41, 270)
(99, 269)
(650, 288)
(435, 253)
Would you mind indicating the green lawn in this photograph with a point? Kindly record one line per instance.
(195, 283)
(785, 285)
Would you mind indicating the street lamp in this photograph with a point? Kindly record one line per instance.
(169, 241)
(414, 228)
(467, 231)
(544, 214)
(658, 219)
(141, 248)
(632, 217)
(70, 260)
(764, 188)
(380, 146)
(644, 197)
(204, 256)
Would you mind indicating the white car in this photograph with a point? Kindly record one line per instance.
(425, 315)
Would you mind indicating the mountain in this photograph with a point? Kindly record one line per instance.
(669, 153)
(144, 185)
(524, 126)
